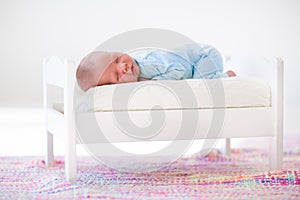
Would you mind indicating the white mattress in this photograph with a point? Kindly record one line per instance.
(169, 94)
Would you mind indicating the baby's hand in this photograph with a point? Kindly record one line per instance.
(143, 79)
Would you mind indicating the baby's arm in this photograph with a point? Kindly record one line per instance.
(170, 75)
(174, 72)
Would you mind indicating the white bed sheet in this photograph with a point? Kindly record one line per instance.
(236, 92)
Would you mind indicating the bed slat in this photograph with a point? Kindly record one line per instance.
(56, 124)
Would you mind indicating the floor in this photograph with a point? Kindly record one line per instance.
(22, 133)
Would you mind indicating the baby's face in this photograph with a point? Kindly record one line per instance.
(122, 70)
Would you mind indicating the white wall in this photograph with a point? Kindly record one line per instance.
(32, 29)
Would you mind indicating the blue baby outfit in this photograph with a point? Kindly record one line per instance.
(191, 61)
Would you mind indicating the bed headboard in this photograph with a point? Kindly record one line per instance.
(59, 73)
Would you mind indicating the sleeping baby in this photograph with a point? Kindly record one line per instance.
(192, 61)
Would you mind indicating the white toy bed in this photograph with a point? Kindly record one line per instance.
(252, 106)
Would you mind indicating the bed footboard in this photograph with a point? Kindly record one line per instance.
(270, 69)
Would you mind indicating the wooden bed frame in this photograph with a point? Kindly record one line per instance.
(239, 122)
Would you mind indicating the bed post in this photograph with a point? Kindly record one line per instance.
(228, 147)
(276, 154)
(70, 140)
(49, 159)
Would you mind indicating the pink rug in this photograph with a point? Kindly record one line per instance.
(244, 175)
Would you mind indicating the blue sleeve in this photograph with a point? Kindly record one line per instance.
(174, 72)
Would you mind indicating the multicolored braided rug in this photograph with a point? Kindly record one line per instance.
(244, 175)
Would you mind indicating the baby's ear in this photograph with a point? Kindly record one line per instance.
(124, 69)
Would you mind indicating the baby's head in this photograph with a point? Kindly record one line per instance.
(102, 68)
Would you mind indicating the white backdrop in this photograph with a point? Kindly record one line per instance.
(33, 29)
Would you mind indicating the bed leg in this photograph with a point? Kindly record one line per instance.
(49, 161)
(228, 148)
(276, 154)
(276, 151)
(70, 161)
